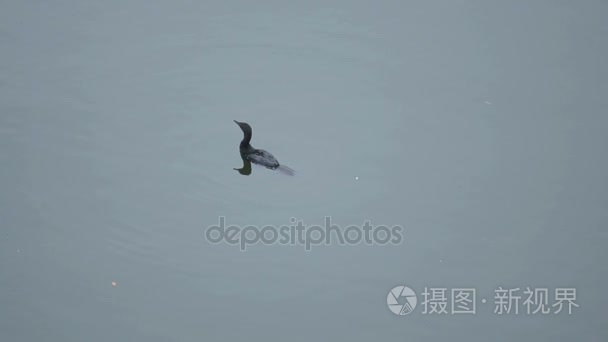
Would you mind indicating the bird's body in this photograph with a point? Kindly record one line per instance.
(262, 157)
(258, 156)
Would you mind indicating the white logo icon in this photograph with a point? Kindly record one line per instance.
(401, 300)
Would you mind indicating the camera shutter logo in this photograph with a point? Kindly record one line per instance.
(401, 300)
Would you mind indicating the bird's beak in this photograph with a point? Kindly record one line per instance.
(236, 122)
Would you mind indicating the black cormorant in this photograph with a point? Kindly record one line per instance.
(257, 156)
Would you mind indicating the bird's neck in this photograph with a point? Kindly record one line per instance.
(245, 142)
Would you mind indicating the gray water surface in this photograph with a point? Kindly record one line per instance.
(477, 126)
